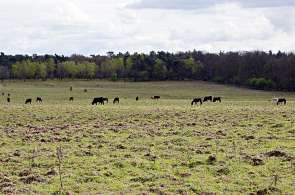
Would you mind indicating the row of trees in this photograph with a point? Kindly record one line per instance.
(28, 69)
(257, 69)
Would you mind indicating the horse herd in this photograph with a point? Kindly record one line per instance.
(205, 99)
(116, 100)
(279, 101)
(95, 101)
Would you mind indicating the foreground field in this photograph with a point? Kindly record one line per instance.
(243, 145)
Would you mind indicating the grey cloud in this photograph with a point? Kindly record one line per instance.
(73, 26)
(173, 4)
(203, 4)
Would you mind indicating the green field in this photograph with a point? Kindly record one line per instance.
(244, 145)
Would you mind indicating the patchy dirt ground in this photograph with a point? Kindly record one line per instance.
(146, 147)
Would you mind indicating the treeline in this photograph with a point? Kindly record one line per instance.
(257, 69)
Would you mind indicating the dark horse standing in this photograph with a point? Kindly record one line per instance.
(217, 99)
(137, 98)
(281, 101)
(156, 97)
(98, 100)
(71, 99)
(116, 100)
(28, 101)
(208, 98)
(196, 101)
(39, 99)
(106, 100)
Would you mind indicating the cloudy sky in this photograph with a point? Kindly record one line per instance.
(97, 26)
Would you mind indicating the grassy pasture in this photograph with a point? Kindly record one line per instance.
(244, 145)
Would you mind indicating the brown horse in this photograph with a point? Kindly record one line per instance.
(116, 100)
(217, 99)
(156, 97)
(98, 100)
(196, 101)
(106, 100)
(281, 101)
(28, 101)
(208, 98)
(39, 99)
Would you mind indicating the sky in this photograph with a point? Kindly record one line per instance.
(98, 26)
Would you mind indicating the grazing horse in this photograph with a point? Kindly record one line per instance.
(85, 90)
(116, 100)
(71, 99)
(106, 100)
(156, 97)
(281, 101)
(3, 93)
(28, 101)
(196, 100)
(217, 99)
(39, 99)
(98, 100)
(208, 98)
(137, 98)
(8, 100)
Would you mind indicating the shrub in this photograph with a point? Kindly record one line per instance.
(260, 83)
(218, 79)
(114, 77)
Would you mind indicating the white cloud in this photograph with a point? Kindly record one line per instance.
(201, 4)
(98, 26)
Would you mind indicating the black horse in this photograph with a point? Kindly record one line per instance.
(28, 101)
(116, 100)
(156, 97)
(137, 98)
(71, 99)
(281, 101)
(98, 100)
(8, 99)
(196, 101)
(217, 99)
(106, 100)
(39, 99)
(208, 98)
